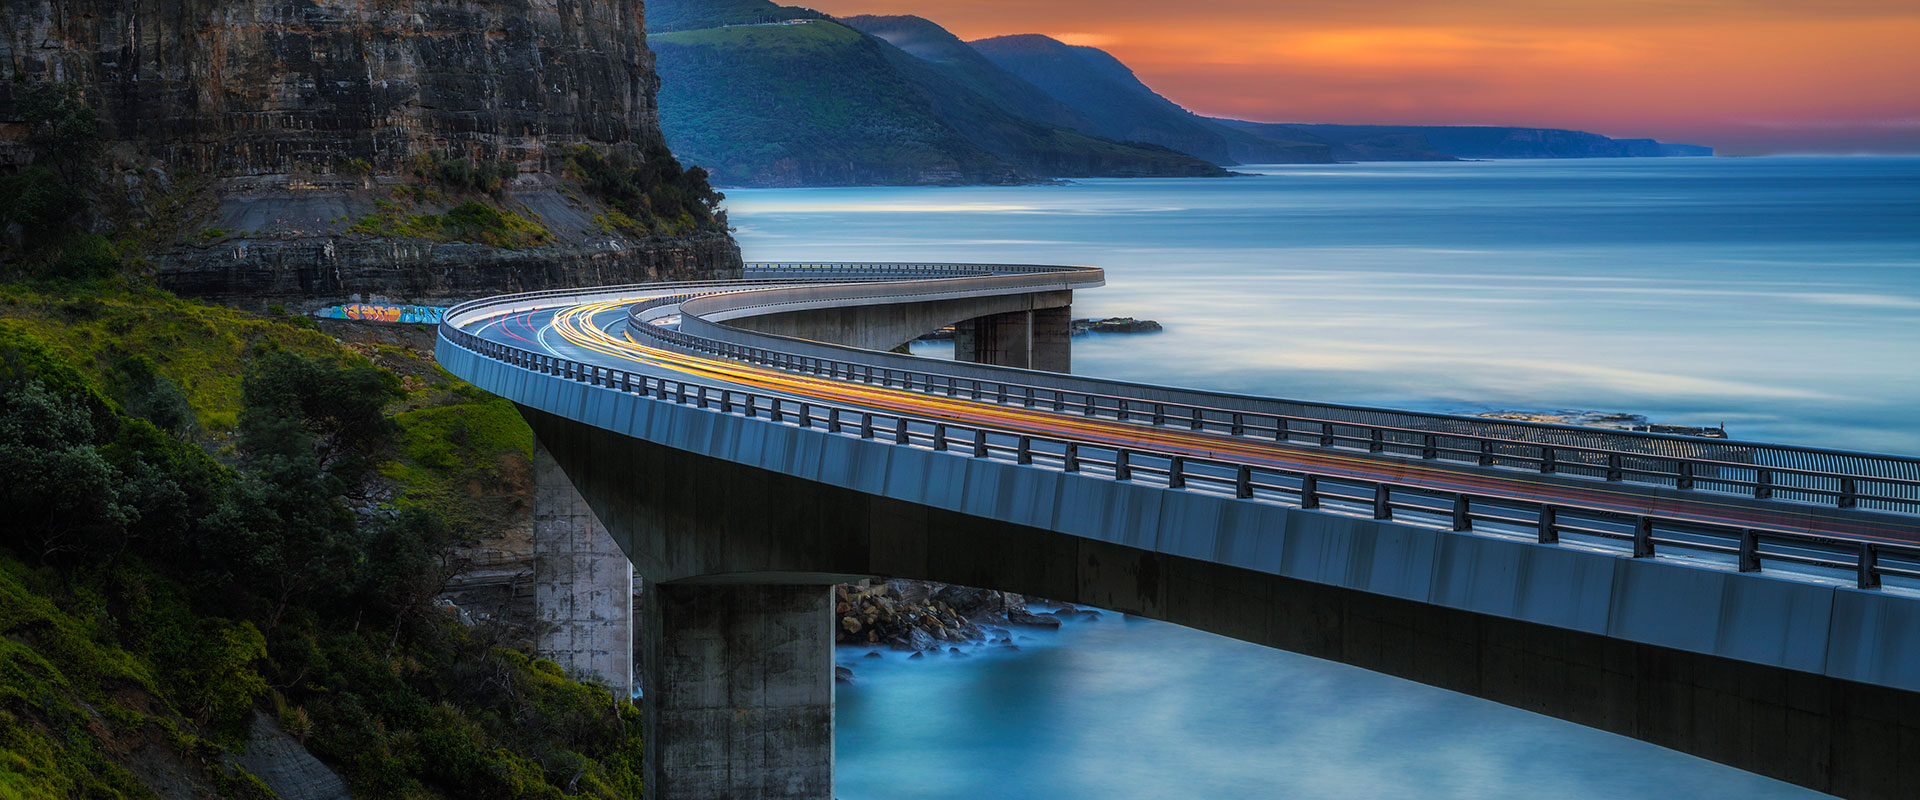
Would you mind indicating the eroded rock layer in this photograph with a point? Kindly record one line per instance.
(255, 87)
(287, 151)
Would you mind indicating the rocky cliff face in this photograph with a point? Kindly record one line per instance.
(293, 118)
(261, 87)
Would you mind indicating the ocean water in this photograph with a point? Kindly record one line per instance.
(1779, 297)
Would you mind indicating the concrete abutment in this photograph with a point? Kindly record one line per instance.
(583, 583)
(738, 691)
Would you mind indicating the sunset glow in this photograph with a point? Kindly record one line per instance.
(1748, 77)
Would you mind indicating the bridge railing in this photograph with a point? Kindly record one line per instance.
(1870, 562)
(1836, 479)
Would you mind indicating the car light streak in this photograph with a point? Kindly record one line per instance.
(575, 325)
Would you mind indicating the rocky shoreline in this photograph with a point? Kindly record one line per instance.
(1077, 327)
(1606, 419)
(922, 617)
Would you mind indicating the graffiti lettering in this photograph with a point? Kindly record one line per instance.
(368, 312)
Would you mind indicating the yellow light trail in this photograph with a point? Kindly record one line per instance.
(574, 323)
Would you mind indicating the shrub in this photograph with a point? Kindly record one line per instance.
(654, 192)
(462, 174)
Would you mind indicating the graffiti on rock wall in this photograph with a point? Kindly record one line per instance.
(372, 312)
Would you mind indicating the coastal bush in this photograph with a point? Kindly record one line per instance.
(297, 579)
(62, 130)
(464, 175)
(48, 203)
(467, 222)
(653, 193)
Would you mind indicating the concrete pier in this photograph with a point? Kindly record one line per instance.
(583, 583)
(738, 691)
(1037, 338)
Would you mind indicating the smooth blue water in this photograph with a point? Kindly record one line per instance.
(1130, 708)
(1780, 296)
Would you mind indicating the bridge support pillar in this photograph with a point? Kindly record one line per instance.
(738, 691)
(582, 583)
(1034, 339)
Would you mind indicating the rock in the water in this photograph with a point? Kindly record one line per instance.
(916, 640)
(1028, 618)
(842, 674)
(1114, 325)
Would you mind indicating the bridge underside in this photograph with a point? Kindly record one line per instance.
(700, 524)
(1029, 331)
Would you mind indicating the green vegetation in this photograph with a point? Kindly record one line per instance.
(193, 349)
(467, 222)
(459, 174)
(213, 515)
(821, 103)
(465, 455)
(804, 104)
(49, 200)
(649, 195)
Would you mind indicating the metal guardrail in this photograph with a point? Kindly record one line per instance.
(1762, 471)
(1869, 562)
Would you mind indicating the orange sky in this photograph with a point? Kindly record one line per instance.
(1747, 76)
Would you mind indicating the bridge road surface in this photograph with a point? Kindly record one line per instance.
(596, 333)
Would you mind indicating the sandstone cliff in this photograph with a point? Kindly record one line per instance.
(253, 134)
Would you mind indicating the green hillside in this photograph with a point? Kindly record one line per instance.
(216, 518)
(1119, 106)
(946, 54)
(807, 104)
(227, 529)
(819, 103)
(1036, 147)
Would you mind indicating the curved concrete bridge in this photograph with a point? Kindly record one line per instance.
(748, 444)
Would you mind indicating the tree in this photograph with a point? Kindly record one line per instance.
(62, 130)
(308, 431)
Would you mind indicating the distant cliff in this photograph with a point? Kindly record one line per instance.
(296, 148)
(1361, 142)
(767, 95)
(1118, 105)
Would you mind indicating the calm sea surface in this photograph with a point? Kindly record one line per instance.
(1780, 297)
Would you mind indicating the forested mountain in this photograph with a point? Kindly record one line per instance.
(1107, 92)
(771, 100)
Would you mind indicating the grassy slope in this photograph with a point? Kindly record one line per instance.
(200, 347)
(89, 706)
